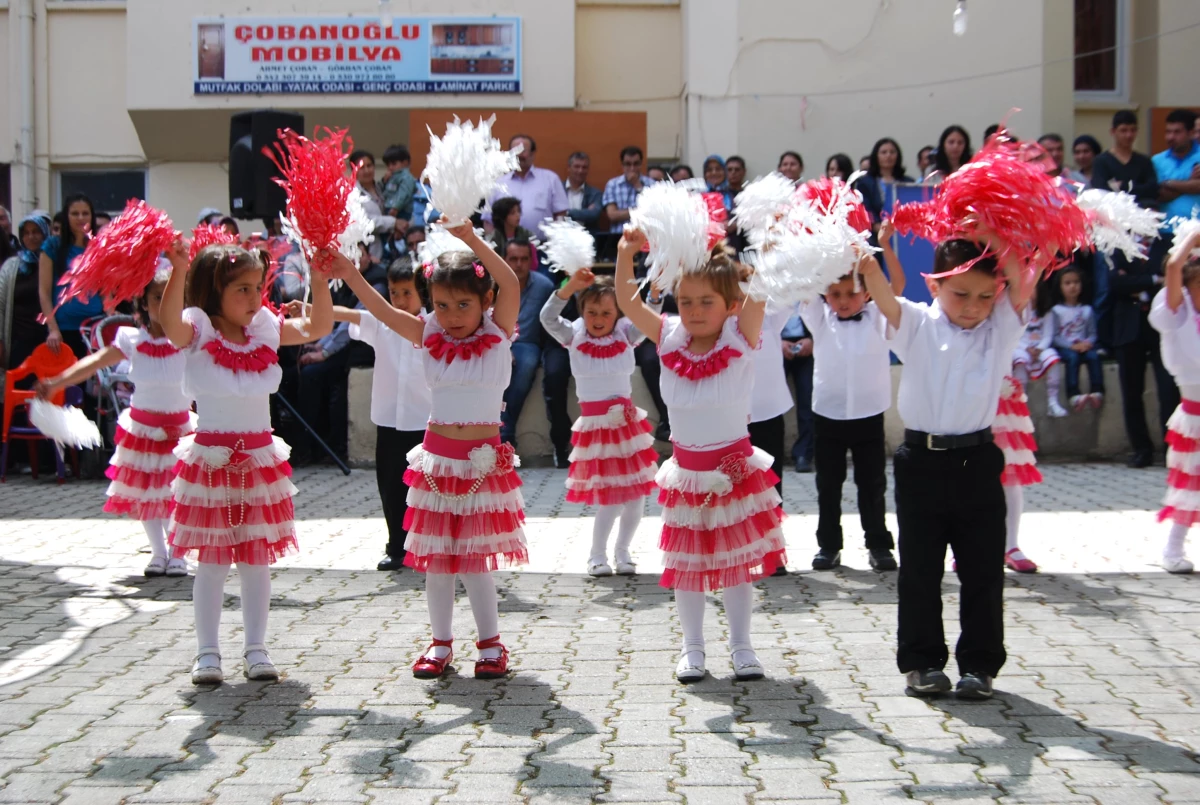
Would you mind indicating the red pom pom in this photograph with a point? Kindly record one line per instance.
(121, 261)
(209, 235)
(1005, 191)
(318, 185)
(820, 193)
(717, 216)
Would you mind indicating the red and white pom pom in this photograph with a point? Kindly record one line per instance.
(675, 223)
(464, 166)
(360, 229)
(568, 245)
(121, 261)
(66, 425)
(1185, 228)
(438, 242)
(1118, 223)
(319, 188)
(207, 235)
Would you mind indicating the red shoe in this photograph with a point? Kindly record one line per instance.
(429, 667)
(1022, 565)
(494, 668)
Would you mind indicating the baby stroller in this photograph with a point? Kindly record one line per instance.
(111, 386)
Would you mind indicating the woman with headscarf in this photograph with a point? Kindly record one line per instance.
(715, 179)
(20, 331)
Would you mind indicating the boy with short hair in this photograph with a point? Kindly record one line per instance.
(399, 186)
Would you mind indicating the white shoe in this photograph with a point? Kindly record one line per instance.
(206, 670)
(262, 668)
(1055, 409)
(1177, 564)
(599, 569)
(688, 669)
(626, 567)
(746, 666)
(177, 567)
(157, 566)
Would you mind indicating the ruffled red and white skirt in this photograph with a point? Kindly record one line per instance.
(722, 518)
(465, 509)
(1013, 432)
(1182, 503)
(233, 499)
(613, 460)
(143, 465)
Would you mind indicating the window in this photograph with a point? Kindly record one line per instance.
(1100, 52)
(108, 189)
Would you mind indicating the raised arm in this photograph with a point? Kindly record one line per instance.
(1176, 260)
(879, 288)
(170, 312)
(320, 320)
(81, 370)
(887, 233)
(550, 316)
(296, 309)
(628, 299)
(508, 293)
(406, 325)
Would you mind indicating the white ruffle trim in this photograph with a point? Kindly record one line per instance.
(1185, 424)
(186, 536)
(750, 554)
(1007, 423)
(1018, 457)
(720, 515)
(435, 545)
(271, 455)
(625, 449)
(601, 482)
(193, 494)
(146, 462)
(479, 465)
(127, 423)
(1184, 499)
(478, 503)
(153, 495)
(672, 476)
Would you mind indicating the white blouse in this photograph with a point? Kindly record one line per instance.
(156, 369)
(467, 390)
(232, 383)
(602, 367)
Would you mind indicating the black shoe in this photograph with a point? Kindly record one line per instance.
(780, 571)
(974, 687)
(827, 561)
(882, 559)
(663, 432)
(930, 682)
(391, 563)
(1140, 460)
(562, 459)
(804, 465)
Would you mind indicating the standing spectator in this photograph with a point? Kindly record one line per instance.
(621, 193)
(715, 179)
(373, 204)
(681, 173)
(209, 215)
(839, 167)
(864, 163)
(540, 191)
(584, 202)
(791, 165)
(925, 160)
(20, 330)
(8, 243)
(798, 360)
(58, 254)
(1056, 149)
(506, 222)
(1177, 168)
(1085, 149)
(413, 238)
(953, 151)
(657, 172)
(735, 175)
(399, 185)
(886, 169)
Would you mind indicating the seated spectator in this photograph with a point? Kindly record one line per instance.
(657, 172)
(399, 185)
(373, 203)
(681, 173)
(584, 202)
(506, 222)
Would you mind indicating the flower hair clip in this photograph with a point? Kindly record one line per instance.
(479, 270)
(428, 270)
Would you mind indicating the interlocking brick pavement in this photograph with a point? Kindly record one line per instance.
(1099, 702)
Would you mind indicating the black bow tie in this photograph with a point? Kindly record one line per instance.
(856, 317)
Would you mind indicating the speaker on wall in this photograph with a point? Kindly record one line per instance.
(252, 192)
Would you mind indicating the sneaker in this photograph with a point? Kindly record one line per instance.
(974, 687)
(1018, 561)
(827, 561)
(882, 559)
(690, 667)
(177, 567)
(599, 569)
(157, 566)
(206, 670)
(626, 567)
(663, 432)
(1078, 402)
(1055, 409)
(1177, 564)
(1096, 399)
(930, 682)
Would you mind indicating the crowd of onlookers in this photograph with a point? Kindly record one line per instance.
(38, 250)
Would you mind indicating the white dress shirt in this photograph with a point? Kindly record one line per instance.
(771, 397)
(951, 380)
(852, 376)
(400, 397)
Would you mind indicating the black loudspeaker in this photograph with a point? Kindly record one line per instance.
(252, 192)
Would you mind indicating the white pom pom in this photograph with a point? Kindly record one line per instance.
(438, 242)
(483, 459)
(360, 229)
(675, 223)
(66, 425)
(569, 247)
(1185, 228)
(464, 168)
(759, 208)
(1118, 222)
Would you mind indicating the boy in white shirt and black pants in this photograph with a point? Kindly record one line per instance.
(770, 398)
(956, 353)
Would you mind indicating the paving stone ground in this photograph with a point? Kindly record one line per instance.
(1099, 701)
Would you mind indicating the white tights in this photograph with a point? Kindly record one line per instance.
(1014, 501)
(156, 533)
(739, 601)
(481, 592)
(631, 515)
(1053, 378)
(208, 595)
(1175, 540)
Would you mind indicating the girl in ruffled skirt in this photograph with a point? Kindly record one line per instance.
(159, 414)
(465, 511)
(1013, 431)
(613, 459)
(721, 514)
(233, 489)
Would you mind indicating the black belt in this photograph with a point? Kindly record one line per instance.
(933, 441)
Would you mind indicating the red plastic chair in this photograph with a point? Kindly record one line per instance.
(43, 363)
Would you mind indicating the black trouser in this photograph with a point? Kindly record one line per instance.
(1131, 361)
(324, 402)
(801, 370)
(768, 435)
(646, 357)
(391, 451)
(951, 497)
(863, 438)
(556, 375)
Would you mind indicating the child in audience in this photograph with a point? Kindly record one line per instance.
(1034, 357)
(1075, 340)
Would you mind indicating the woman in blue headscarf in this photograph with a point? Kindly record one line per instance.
(715, 179)
(20, 331)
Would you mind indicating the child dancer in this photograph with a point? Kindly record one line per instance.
(721, 513)
(233, 493)
(147, 432)
(465, 510)
(1175, 313)
(956, 353)
(852, 388)
(1013, 431)
(1075, 340)
(613, 459)
(1034, 357)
